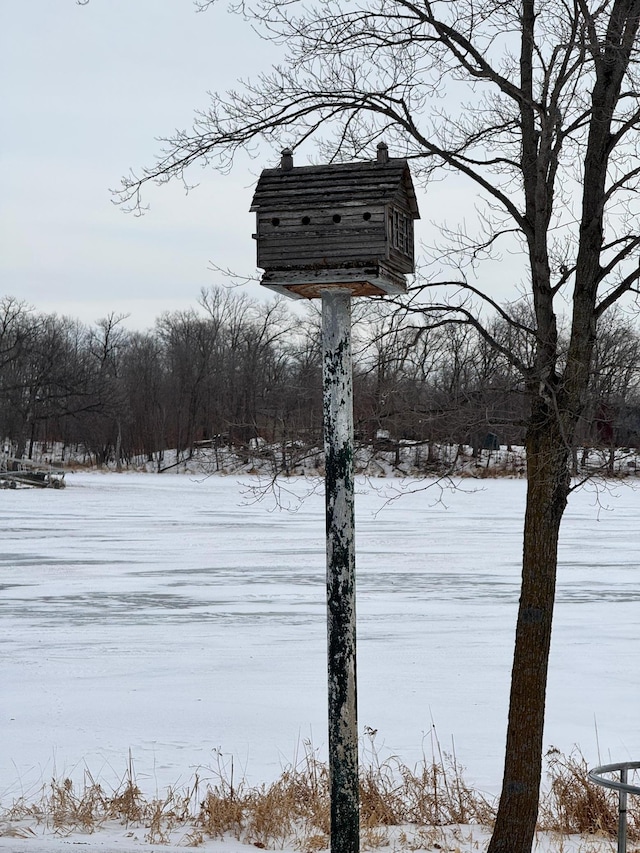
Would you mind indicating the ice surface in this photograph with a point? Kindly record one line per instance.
(174, 617)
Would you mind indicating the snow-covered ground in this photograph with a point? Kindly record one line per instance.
(177, 618)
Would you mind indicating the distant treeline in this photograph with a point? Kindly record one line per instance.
(237, 372)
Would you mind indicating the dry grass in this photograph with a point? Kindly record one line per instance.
(574, 804)
(433, 793)
(294, 810)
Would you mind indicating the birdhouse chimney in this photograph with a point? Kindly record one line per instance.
(286, 161)
(383, 153)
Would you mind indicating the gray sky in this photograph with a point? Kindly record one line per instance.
(87, 89)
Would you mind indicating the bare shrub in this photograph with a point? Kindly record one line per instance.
(220, 814)
(70, 809)
(296, 806)
(575, 804)
(223, 808)
(423, 803)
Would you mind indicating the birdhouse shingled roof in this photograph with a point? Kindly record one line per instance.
(339, 183)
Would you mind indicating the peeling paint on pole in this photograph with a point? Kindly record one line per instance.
(341, 591)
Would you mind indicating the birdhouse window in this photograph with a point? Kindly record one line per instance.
(337, 218)
(275, 222)
(306, 220)
(400, 231)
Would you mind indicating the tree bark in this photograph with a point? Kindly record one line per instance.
(547, 492)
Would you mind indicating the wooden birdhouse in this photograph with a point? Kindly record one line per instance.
(347, 225)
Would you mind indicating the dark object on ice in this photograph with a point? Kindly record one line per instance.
(24, 472)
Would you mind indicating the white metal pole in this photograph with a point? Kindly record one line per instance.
(341, 590)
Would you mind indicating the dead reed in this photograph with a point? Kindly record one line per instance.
(573, 804)
(294, 810)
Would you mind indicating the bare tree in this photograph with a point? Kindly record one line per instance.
(144, 380)
(44, 380)
(19, 330)
(541, 117)
(614, 386)
(107, 343)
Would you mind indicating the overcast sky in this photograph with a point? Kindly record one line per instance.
(86, 90)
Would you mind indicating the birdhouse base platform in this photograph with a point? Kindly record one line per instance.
(311, 283)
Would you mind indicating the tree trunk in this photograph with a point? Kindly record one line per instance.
(118, 453)
(547, 491)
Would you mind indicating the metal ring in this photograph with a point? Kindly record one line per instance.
(596, 776)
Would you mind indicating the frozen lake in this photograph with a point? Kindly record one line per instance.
(174, 618)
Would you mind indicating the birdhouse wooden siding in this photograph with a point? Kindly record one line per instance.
(344, 225)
